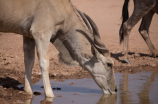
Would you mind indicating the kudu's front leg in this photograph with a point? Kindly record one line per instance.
(42, 40)
(29, 56)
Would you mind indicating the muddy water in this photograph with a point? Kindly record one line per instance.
(140, 88)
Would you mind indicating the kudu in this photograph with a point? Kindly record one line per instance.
(144, 9)
(58, 22)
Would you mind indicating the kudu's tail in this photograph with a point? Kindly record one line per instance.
(125, 16)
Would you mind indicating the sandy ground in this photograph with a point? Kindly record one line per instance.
(107, 16)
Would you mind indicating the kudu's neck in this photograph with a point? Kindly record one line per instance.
(74, 35)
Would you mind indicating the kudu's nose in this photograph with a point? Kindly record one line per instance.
(116, 89)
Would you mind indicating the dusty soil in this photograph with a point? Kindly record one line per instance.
(107, 15)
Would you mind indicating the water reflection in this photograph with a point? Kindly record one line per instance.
(45, 101)
(124, 90)
(28, 101)
(107, 99)
(140, 88)
(144, 94)
(136, 88)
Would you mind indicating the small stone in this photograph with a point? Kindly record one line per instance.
(7, 63)
(21, 92)
(71, 83)
(59, 96)
(153, 65)
(37, 93)
(58, 88)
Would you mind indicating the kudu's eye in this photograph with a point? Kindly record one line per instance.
(109, 64)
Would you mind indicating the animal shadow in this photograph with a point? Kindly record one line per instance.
(10, 83)
(140, 54)
(117, 55)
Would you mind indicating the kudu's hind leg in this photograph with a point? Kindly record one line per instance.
(42, 40)
(29, 56)
(144, 31)
(138, 13)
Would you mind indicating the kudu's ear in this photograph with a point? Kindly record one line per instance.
(95, 52)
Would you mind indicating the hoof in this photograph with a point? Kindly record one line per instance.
(50, 95)
(50, 99)
(154, 55)
(29, 93)
(127, 61)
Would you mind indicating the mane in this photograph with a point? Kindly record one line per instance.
(79, 17)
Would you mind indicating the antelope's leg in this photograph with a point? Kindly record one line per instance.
(29, 56)
(42, 40)
(138, 13)
(144, 31)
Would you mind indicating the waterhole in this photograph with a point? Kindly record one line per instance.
(140, 88)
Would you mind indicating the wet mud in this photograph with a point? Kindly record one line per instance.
(11, 93)
(138, 88)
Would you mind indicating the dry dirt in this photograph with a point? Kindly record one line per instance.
(107, 16)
